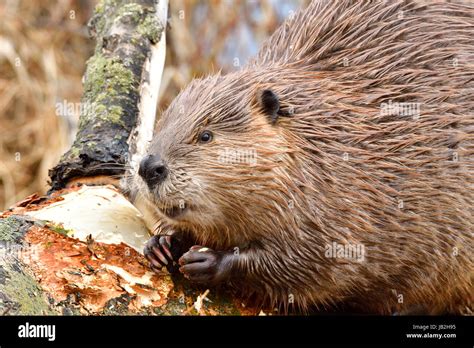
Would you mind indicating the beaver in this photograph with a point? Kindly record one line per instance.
(334, 170)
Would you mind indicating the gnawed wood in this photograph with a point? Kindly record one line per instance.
(98, 212)
(46, 269)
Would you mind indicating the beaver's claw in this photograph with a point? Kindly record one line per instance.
(162, 251)
(203, 265)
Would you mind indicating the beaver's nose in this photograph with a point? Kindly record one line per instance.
(153, 170)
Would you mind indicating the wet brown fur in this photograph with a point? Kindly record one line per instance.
(336, 169)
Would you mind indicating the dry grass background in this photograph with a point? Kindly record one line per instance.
(44, 46)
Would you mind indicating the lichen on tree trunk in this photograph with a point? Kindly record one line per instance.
(125, 32)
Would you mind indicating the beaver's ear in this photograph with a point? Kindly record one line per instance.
(270, 104)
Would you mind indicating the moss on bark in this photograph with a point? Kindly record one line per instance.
(124, 32)
(20, 294)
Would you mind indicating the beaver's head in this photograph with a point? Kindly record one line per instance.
(216, 159)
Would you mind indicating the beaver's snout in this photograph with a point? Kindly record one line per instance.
(153, 170)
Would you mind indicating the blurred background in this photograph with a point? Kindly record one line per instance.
(44, 46)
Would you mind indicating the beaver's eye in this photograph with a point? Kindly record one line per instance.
(205, 136)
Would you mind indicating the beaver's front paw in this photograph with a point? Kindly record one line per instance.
(204, 265)
(163, 251)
